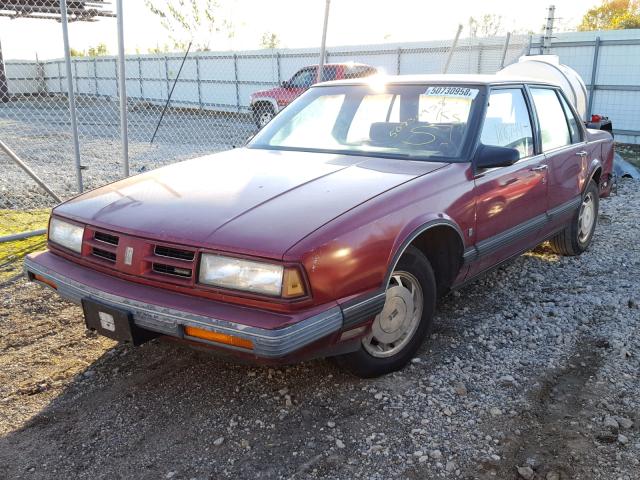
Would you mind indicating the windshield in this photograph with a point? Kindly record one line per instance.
(413, 121)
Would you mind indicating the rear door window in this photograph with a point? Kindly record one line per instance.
(554, 130)
(507, 122)
(574, 123)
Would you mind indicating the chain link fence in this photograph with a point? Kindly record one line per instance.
(179, 106)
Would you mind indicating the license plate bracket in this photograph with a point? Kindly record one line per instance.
(112, 322)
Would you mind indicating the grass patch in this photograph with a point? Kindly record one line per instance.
(18, 221)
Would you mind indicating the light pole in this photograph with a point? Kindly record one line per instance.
(323, 45)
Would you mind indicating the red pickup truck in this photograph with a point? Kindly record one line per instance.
(266, 103)
(338, 226)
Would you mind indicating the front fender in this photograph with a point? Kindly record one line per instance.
(414, 229)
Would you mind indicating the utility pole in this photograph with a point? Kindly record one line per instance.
(548, 30)
(323, 45)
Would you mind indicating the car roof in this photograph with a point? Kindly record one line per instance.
(449, 79)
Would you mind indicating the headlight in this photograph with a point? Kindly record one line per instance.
(66, 234)
(250, 276)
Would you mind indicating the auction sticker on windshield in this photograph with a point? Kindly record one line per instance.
(452, 92)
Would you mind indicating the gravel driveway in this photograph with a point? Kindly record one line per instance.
(533, 372)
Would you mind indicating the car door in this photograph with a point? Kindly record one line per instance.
(510, 201)
(567, 153)
(300, 82)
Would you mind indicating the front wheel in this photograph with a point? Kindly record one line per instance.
(405, 321)
(577, 236)
(263, 113)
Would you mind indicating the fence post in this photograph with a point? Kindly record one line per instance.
(4, 86)
(198, 81)
(529, 44)
(140, 78)
(70, 92)
(95, 74)
(59, 76)
(594, 73)
(278, 68)
(452, 49)
(166, 73)
(235, 73)
(398, 56)
(504, 50)
(122, 77)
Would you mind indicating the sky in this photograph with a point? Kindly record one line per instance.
(298, 23)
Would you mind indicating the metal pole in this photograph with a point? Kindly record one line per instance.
(23, 235)
(122, 79)
(71, 95)
(529, 45)
(323, 45)
(28, 170)
(398, 58)
(452, 49)
(594, 73)
(504, 50)
(170, 93)
(4, 87)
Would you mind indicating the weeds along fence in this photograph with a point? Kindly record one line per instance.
(208, 112)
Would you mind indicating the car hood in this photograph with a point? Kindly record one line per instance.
(253, 201)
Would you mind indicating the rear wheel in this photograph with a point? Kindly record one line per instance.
(577, 236)
(262, 114)
(406, 319)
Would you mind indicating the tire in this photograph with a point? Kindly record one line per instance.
(371, 359)
(577, 236)
(262, 114)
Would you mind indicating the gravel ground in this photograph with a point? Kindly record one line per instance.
(532, 373)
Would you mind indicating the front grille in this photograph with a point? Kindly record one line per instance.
(176, 253)
(171, 270)
(106, 238)
(104, 254)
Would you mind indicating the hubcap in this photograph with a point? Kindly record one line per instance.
(394, 327)
(586, 218)
(265, 117)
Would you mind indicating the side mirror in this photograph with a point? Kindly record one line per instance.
(490, 156)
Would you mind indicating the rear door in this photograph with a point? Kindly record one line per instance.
(562, 140)
(511, 201)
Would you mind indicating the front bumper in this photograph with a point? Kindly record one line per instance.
(168, 313)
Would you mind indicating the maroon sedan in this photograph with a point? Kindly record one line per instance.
(335, 230)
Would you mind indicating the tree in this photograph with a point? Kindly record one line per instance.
(270, 40)
(612, 15)
(99, 50)
(488, 25)
(194, 21)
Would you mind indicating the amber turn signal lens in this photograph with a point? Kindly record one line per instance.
(292, 285)
(46, 281)
(218, 337)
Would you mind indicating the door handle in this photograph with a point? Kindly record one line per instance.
(539, 168)
(583, 153)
